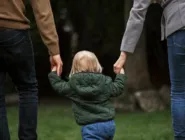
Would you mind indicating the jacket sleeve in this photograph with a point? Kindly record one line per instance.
(45, 22)
(134, 25)
(59, 85)
(116, 88)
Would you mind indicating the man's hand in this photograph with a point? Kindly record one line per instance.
(120, 62)
(54, 69)
(56, 62)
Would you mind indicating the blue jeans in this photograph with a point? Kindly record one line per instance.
(17, 59)
(176, 58)
(99, 131)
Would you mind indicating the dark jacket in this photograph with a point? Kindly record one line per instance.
(90, 94)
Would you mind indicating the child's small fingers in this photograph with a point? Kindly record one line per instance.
(59, 70)
(122, 71)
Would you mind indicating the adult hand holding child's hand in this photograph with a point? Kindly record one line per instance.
(122, 71)
(57, 63)
(120, 62)
(54, 68)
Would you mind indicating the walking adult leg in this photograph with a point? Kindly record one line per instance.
(176, 57)
(21, 67)
(4, 131)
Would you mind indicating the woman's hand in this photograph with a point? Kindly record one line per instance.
(120, 62)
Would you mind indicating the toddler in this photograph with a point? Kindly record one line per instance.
(90, 92)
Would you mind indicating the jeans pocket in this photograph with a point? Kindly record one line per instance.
(11, 37)
(179, 39)
(113, 129)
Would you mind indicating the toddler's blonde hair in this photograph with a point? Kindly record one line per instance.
(85, 61)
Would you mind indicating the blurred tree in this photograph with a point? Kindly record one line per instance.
(100, 25)
(156, 49)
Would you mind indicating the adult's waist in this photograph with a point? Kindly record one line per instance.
(164, 3)
(173, 17)
(13, 24)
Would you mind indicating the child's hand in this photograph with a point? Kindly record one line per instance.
(122, 71)
(54, 68)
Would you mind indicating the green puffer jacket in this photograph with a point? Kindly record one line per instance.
(90, 94)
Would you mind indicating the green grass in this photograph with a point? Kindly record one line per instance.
(55, 122)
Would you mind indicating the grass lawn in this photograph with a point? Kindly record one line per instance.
(55, 122)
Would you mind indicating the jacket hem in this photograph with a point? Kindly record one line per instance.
(13, 24)
(83, 124)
